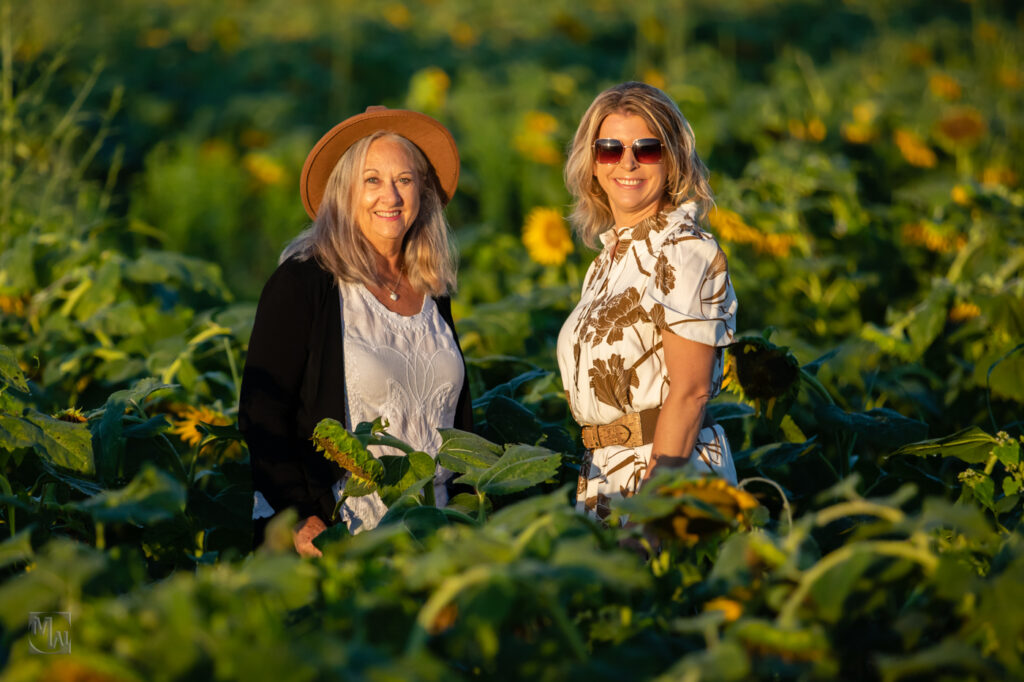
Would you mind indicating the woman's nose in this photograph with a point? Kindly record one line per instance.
(394, 195)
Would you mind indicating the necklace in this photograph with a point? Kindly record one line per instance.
(394, 290)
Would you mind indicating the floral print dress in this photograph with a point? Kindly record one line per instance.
(663, 274)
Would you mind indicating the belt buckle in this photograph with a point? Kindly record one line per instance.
(615, 433)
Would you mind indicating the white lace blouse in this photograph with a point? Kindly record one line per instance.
(406, 369)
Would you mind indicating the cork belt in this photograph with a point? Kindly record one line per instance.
(631, 430)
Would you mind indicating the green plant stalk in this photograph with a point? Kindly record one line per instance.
(825, 459)
(481, 514)
(459, 516)
(895, 548)
(816, 386)
(785, 501)
(234, 369)
(569, 631)
(528, 533)
(390, 441)
(101, 538)
(858, 508)
(428, 493)
(844, 461)
(6, 486)
(445, 593)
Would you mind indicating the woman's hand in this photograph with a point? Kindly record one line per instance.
(304, 534)
(690, 366)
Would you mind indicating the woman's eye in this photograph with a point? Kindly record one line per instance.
(372, 181)
(405, 181)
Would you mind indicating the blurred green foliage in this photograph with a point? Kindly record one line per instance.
(866, 159)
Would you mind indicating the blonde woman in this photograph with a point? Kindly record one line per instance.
(356, 322)
(641, 354)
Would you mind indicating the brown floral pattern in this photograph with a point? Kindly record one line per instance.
(618, 313)
(613, 382)
(643, 230)
(663, 274)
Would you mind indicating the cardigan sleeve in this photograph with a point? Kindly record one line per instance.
(271, 386)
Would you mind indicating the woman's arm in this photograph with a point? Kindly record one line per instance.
(690, 365)
(271, 382)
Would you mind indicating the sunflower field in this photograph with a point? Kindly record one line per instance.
(866, 162)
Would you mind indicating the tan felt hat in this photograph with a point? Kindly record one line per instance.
(433, 139)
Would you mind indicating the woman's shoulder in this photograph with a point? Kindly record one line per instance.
(298, 279)
(684, 234)
(298, 271)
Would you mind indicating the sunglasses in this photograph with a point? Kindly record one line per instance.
(610, 151)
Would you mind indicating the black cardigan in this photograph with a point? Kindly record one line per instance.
(294, 377)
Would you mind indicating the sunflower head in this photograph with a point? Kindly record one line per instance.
(546, 236)
(71, 414)
(764, 370)
(704, 507)
(962, 127)
(187, 420)
(768, 375)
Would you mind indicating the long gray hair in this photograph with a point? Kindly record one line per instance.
(338, 245)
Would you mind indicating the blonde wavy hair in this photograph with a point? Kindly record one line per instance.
(334, 239)
(686, 174)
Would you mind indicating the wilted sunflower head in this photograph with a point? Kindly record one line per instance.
(71, 414)
(706, 506)
(764, 370)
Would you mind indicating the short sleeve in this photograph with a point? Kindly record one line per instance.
(689, 293)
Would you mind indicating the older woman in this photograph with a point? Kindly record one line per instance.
(356, 322)
(641, 354)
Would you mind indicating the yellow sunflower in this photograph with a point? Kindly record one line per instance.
(944, 86)
(546, 236)
(730, 608)
(535, 138)
(428, 89)
(263, 169)
(188, 418)
(962, 312)
(12, 305)
(730, 227)
(914, 150)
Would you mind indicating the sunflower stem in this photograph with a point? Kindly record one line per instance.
(233, 367)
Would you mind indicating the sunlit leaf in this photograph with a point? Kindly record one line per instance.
(10, 371)
(461, 451)
(521, 467)
(64, 444)
(971, 445)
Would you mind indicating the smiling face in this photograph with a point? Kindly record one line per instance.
(634, 190)
(387, 195)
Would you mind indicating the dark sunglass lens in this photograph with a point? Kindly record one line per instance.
(608, 151)
(647, 150)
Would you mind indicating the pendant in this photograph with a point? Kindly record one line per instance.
(394, 296)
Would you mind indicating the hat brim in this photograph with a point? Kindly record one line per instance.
(432, 138)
